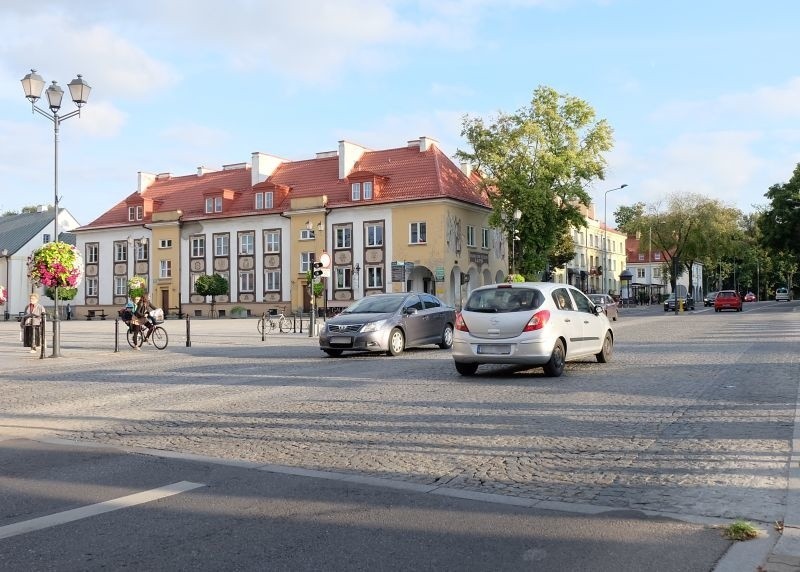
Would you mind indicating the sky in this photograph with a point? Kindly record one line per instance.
(703, 96)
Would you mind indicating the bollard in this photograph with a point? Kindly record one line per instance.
(116, 335)
(188, 333)
(42, 337)
(301, 322)
(263, 325)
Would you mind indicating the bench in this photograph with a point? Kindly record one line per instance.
(95, 313)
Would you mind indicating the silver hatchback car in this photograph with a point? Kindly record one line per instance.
(530, 323)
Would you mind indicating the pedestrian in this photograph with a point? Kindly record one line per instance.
(69, 311)
(31, 323)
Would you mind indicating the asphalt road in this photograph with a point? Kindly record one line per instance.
(625, 465)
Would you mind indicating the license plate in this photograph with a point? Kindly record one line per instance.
(341, 340)
(494, 349)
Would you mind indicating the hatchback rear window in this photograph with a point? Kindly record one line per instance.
(504, 300)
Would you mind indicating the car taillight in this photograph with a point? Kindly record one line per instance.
(460, 323)
(537, 321)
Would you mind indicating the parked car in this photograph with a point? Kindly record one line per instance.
(531, 324)
(749, 297)
(389, 323)
(781, 295)
(610, 307)
(709, 298)
(669, 303)
(728, 300)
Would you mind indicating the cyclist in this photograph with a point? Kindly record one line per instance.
(142, 313)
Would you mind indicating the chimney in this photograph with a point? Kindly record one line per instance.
(349, 154)
(263, 167)
(145, 180)
(466, 168)
(163, 176)
(426, 143)
(203, 170)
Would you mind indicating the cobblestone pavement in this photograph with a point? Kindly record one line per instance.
(694, 416)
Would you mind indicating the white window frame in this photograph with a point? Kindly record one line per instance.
(306, 260)
(139, 212)
(418, 232)
(91, 287)
(165, 268)
(198, 246)
(92, 253)
(217, 204)
(247, 281)
(259, 201)
(355, 191)
(307, 234)
(222, 245)
(140, 250)
(209, 205)
(131, 213)
(193, 281)
(247, 244)
(470, 235)
(344, 237)
(165, 243)
(120, 286)
(268, 199)
(272, 241)
(344, 277)
(640, 272)
(374, 276)
(272, 280)
(120, 252)
(656, 256)
(484, 237)
(367, 188)
(374, 235)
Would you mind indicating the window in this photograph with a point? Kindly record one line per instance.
(374, 276)
(131, 213)
(120, 251)
(641, 257)
(343, 277)
(209, 205)
(213, 204)
(272, 238)
(259, 201)
(264, 200)
(374, 235)
(418, 233)
(470, 235)
(165, 243)
(355, 191)
(430, 301)
(198, 246)
(120, 286)
(484, 238)
(92, 253)
(344, 237)
(135, 212)
(140, 247)
(220, 245)
(139, 212)
(368, 190)
(193, 281)
(91, 286)
(306, 234)
(45, 238)
(165, 269)
(247, 281)
(306, 258)
(272, 280)
(247, 243)
(217, 204)
(657, 256)
(640, 273)
(656, 273)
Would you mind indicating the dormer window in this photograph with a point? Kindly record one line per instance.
(213, 205)
(355, 191)
(263, 200)
(368, 190)
(135, 213)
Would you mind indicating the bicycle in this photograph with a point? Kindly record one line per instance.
(269, 323)
(136, 338)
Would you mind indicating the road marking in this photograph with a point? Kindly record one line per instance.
(95, 509)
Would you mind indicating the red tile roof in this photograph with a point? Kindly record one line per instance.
(401, 174)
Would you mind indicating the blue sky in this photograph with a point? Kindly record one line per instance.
(703, 96)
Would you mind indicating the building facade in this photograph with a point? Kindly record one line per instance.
(391, 220)
(650, 279)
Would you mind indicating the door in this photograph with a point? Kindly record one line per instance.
(434, 317)
(570, 321)
(414, 324)
(165, 300)
(593, 326)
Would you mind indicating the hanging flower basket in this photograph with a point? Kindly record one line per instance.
(3, 294)
(137, 286)
(56, 265)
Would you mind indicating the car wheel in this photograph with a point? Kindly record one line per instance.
(614, 318)
(466, 368)
(397, 342)
(333, 353)
(555, 367)
(604, 356)
(447, 338)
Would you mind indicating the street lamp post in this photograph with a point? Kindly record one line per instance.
(605, 234)
(514, 220)
(79, 90)
(7, 255)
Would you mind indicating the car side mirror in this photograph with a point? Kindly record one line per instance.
(598, 309)
(411, 311)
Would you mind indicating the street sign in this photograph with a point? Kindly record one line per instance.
(325, 259)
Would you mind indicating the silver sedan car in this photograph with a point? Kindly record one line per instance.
(389, 323)
(608, 303)
(530, 323)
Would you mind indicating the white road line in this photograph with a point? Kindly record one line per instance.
(95, 509)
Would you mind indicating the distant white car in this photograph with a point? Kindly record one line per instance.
(781, 295)
(530, 323)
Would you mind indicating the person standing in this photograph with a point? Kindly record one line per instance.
(69, 311)
(31, 323)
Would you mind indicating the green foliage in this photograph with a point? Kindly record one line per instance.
(211, 285)
(64, 293)
(539, 160)
(740, 530)
(137, 287)
(563, 251)
(515, 278)
(627, 217)
(319, 287)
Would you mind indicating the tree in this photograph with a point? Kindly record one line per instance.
(563, 251)
(627, 217)
(211, 285)
(539, 160)
(780, 227)
(64, 293)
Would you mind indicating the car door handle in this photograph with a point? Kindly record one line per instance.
(567, 320)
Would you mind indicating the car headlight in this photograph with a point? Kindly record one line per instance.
(373, 326)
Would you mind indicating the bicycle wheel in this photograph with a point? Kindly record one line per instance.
(159, 337)
(285, 325)
(271, 325)
(134, 337)
(260, 325)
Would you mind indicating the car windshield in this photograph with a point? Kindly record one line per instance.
(375, 305)
(597, 298)
(504, 300)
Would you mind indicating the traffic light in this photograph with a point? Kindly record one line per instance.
(317, 272)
